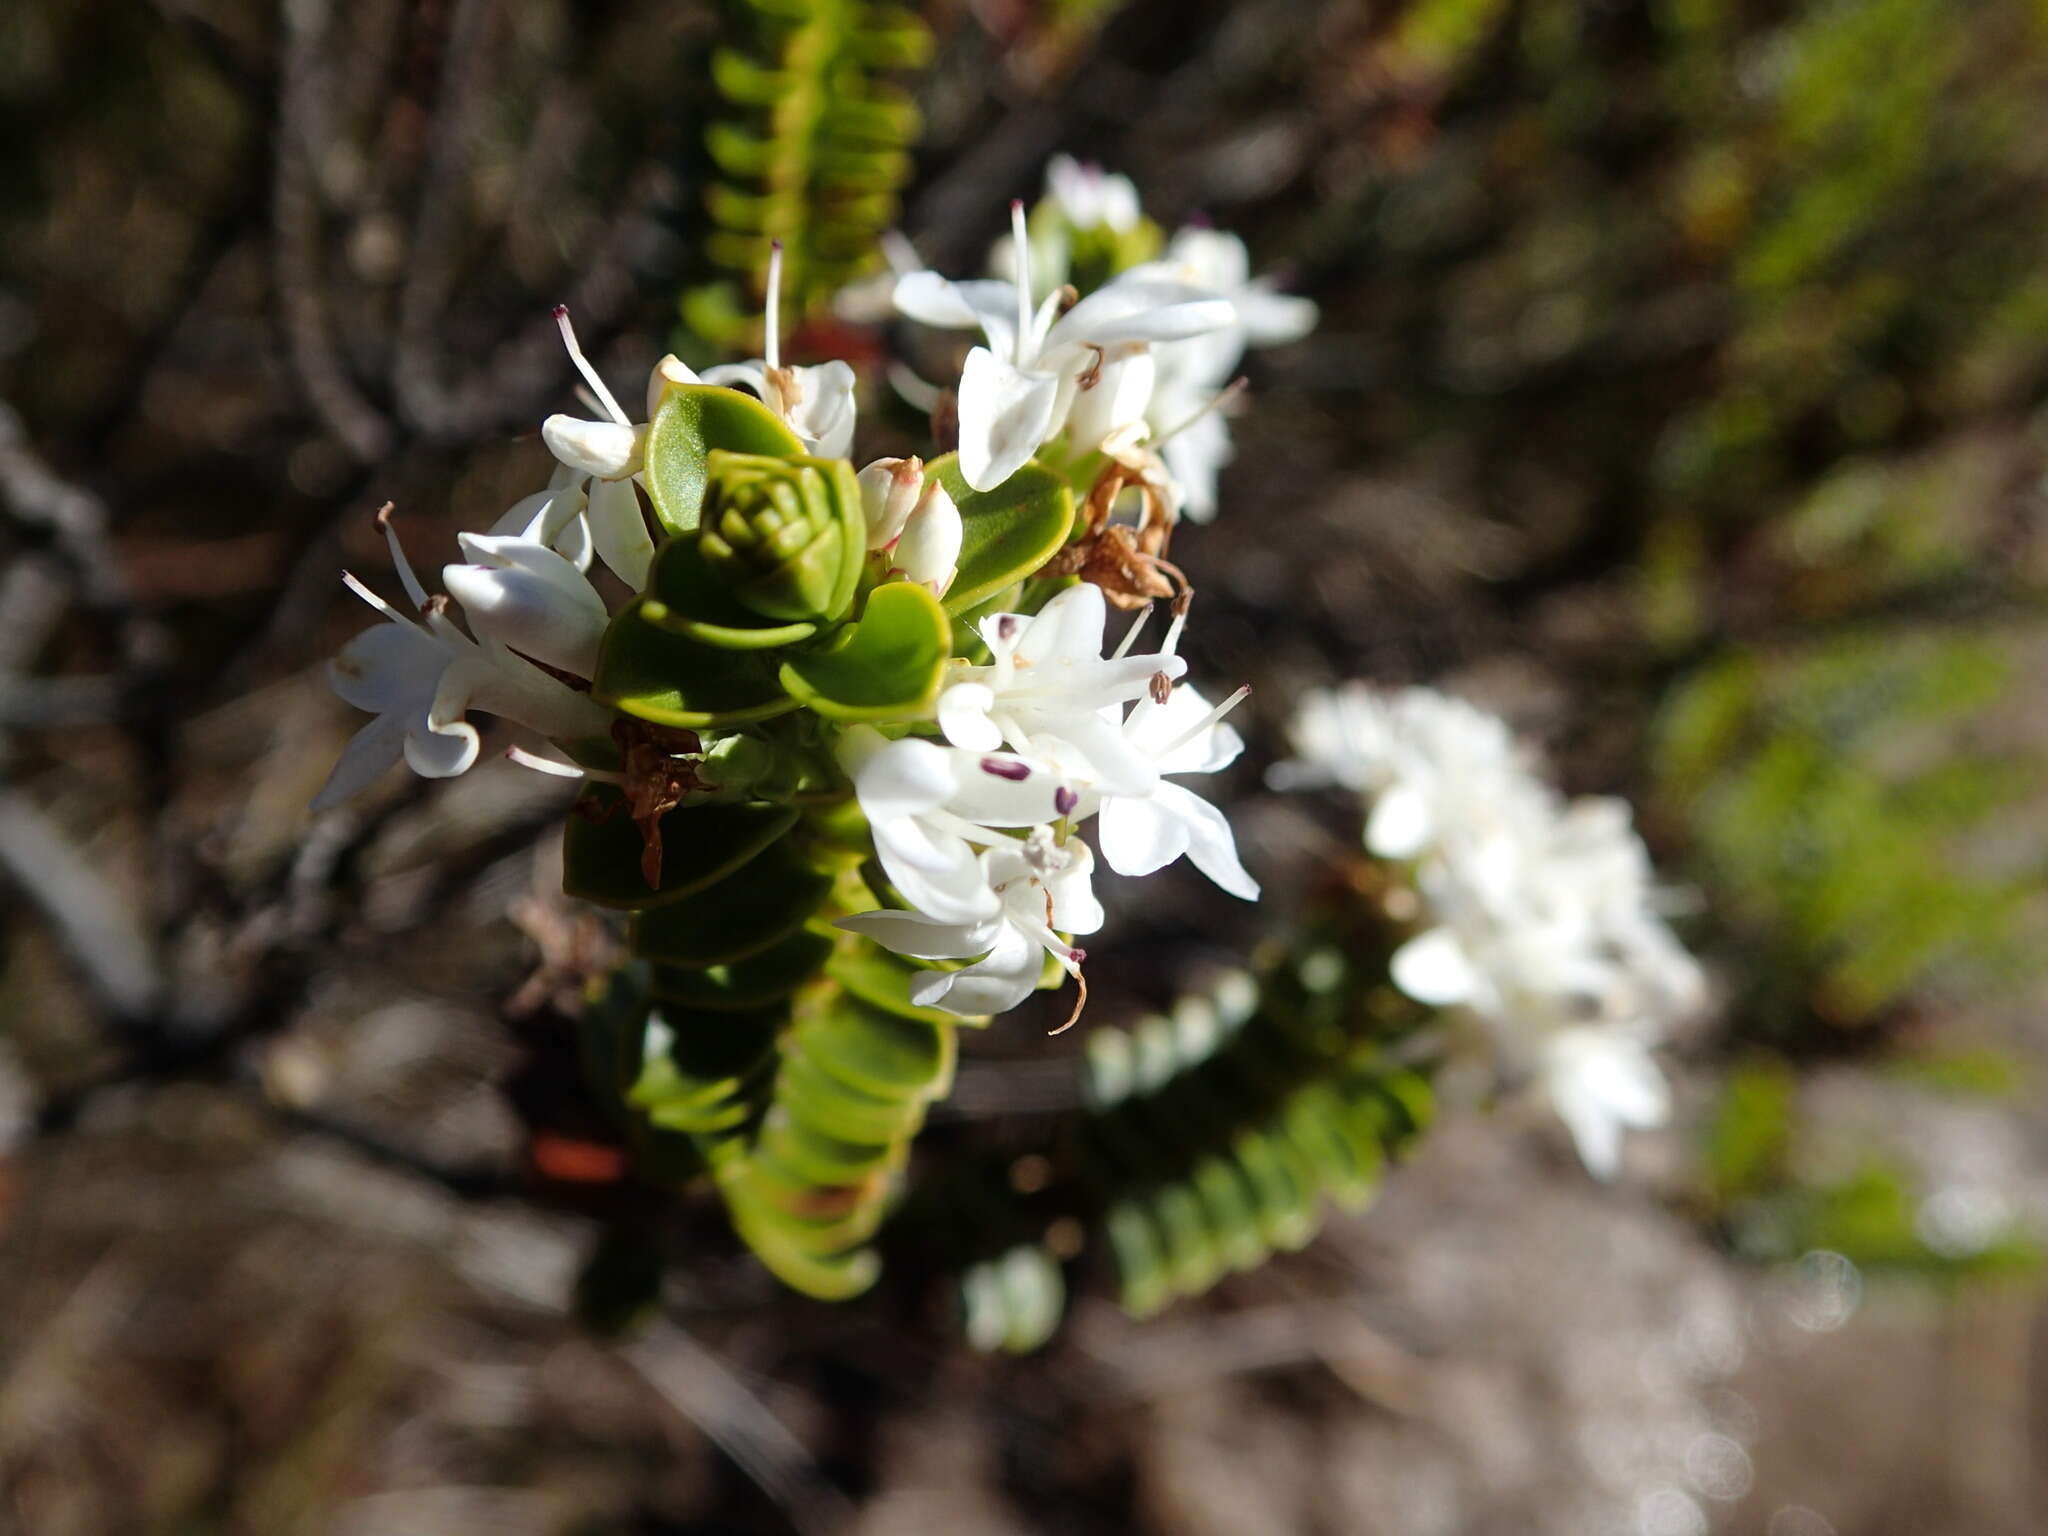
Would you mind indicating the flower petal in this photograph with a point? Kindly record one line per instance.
(1433, 968)
(602, 448)
(1139, 308)
(987, 303)
(994, 985)
(369, 754)
(963, 717)
(1005, 413)
(618, 530)
(529, 599)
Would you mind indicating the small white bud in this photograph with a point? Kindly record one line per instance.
(889, 491)
(929, 549)
(670, 370)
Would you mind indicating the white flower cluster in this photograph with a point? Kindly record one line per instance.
(1151, 353)
(1048, 734)
(1540, 915)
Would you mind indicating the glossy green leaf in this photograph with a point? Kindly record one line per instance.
(1231, 1215)
(1006, 533)
(825, 1159)
(700, 845)
(648, 672)
(699, 1061)
(762, 904)
(882, 980)
(786, 536)
(1143, 1287)
(828, 1277)
(886, 667)
(824, 1103)
(686, 597)
(1194, 1260)
(877, 1052)
(759, 979)
(692, 421)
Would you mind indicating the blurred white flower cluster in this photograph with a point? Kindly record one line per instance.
(1539, 917)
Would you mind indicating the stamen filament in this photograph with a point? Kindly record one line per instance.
(1123, 647)
(413, 590)
(1022, 243)
(604, 396)
(1214, 717)
(1216, 402)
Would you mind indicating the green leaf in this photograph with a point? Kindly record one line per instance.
(764, 903)
(764, 978)
(1006, 533)
(648, 672)
(686, 597)
(882, 980)
(704, 1073)
(828, 1277)
(691, 421)
(879, 1053)
(700, 846)
(886, 667)
(821, 1102)
(825, 1159)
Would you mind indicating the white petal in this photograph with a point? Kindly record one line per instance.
(922, 937)
(1068, 628)
(1136, 308)
(1432, 968)
(602, 448)
(1139, 835)
(984, 302)
(368, 755)
(753, 374)
(963, 717)
(1118, 397)
(1005, 414)
(531, 600)
(618, 530)
(670, 370)
(440, 752)
(1212, 848)
(823, 415)
(994, 985)
(1001, 789)
(1272, 319)
(903, 778)
(390, 667)
(1401, 824)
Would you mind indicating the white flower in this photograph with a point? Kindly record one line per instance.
(420, 678)
(1189, 431)
(814, 403)
(1048, 681)
(1539, 918)
(1143, 833)
(1018, 390)
(1041, 888)
(1088, 197)
(931, 808)
(591, 504)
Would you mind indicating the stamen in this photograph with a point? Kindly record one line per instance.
(1216, 402)
(771, 350)
(1022, 242)
(1214, 717)
(558, 768)
(413, 589)
(604, 396)
(348, 580)
(1006, 768)
(1123, 646)
(1064, 800)
(1080, 1001)
(1160, 687)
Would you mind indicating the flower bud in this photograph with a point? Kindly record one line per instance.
(889, 489)
(784, 532)
(670, 370)
(602, 448)
(928, 551)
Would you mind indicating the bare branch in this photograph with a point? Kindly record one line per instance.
(89, 918)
